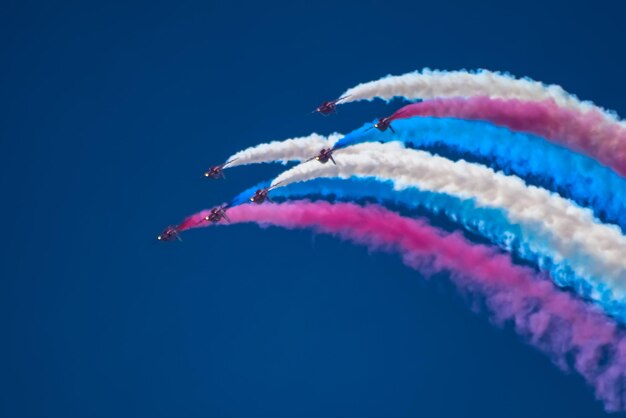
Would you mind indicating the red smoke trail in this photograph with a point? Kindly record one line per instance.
(551, 320)
(586, 132)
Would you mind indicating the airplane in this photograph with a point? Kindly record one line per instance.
(169, 234)
(324, 155)
(217, 214)
(262, 195)
(217, 171)
(383, 124)
(329, 107)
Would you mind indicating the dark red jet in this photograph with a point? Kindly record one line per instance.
(262, 195)
(169, 234)
(327, 108)
(383, 124)
(324, 155)
(217, 171)
(217, 214)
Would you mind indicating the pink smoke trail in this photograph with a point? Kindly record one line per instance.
(587, 132)
(553, 321)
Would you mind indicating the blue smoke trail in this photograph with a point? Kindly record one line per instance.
(537, 161)
(489, 223)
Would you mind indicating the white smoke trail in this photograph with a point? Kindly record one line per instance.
(429, 84)
(572, 235)
(295, 149)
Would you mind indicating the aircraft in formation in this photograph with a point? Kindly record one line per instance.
(329, 107)
(383, 124)
(218, 213)
(217, 171)
(169, 234)
(262, 195)
(324, 156)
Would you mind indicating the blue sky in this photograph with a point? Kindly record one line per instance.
(110, 114)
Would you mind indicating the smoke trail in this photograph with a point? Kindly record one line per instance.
(430, 84)
(554, 322)
(480, 222)
(552, 224)
(295, 149)
(573, 175)
(585, 132)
